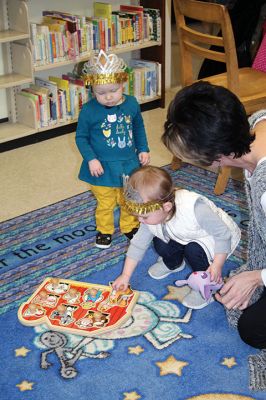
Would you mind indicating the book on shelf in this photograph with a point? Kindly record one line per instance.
(63, 115)
(104, 12)
(53, 97)
(77, 94)
(74, 100)
(138, 11)
(129, 84)
(42, 94)
(147, 78)
(69, 34)
(153, 20)
(59, 37)
(63, 84)
(36, 55)
(83, 93)
(125, 29)
(40, 44)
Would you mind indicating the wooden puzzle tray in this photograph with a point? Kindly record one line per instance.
(81, 308)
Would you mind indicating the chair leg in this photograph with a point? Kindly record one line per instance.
(222, 180)
(176, 163)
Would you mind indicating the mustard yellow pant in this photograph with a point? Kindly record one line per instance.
(107, 199)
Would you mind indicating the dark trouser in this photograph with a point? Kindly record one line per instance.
(252, 324)
(173, 254)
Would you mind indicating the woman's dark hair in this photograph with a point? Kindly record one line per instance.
(206, 121)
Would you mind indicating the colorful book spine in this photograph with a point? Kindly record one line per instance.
(63, 84)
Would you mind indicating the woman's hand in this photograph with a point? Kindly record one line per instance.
(144, 158)
(95, 167)
(237, 291)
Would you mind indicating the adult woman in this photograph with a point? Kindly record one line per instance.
(208, 125)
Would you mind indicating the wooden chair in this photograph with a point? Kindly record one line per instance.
(247, 83)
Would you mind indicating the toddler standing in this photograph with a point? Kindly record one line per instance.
(112, 141)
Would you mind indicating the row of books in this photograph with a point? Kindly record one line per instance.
(63, 36)
(144, 79)
(60, 99)
(56, 100)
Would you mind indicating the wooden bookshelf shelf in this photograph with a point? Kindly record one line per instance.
(116, 50)
(133, 47)
(11, 35)
(13, 79)
(61, 63)
(9, 131)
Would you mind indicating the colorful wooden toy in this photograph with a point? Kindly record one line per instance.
(81, 308)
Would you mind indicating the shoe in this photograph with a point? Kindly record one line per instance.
(130, 234)
(159, 270)
(103, 241)
(195, 300)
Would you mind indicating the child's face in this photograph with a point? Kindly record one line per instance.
(110, 94)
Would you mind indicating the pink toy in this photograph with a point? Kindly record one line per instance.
(201, 282)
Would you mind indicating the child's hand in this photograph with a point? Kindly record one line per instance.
(121, 283)
(144, 158)
(95, 167)
(216, 273)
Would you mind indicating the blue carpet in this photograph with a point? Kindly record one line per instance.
(164, 351)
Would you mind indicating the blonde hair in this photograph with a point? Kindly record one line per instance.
(155, 184)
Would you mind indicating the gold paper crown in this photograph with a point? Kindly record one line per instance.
(134, 203)
(142, 208)
(103, 69)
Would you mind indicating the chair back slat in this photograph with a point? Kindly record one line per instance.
(193, 41)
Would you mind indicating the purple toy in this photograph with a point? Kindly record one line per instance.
(201, 282)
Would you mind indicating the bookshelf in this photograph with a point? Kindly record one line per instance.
(20, 128)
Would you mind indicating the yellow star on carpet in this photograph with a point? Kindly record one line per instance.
(229, 362)
(135, 350)
(171, 366)
(25, 385)
(176, 293)
(131, 396)
(21, 352)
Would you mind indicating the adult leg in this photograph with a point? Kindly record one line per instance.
(196, 257)
(252, 324)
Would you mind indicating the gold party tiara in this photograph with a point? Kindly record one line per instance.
(134, 203)
(103, 68)
(142, 208)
